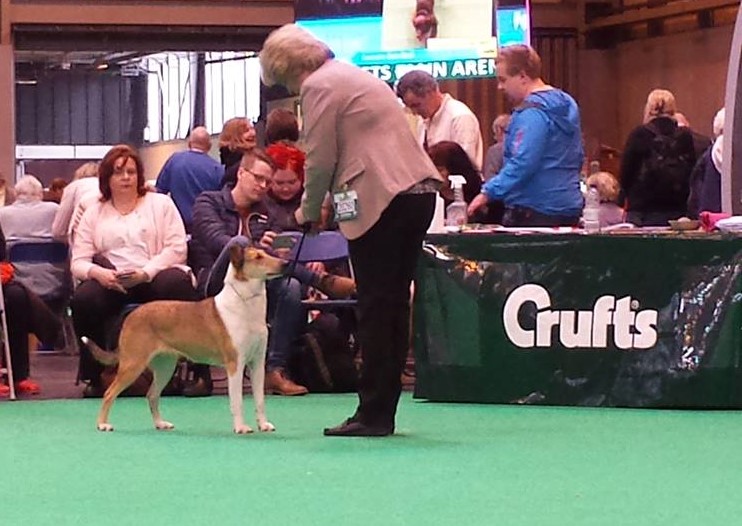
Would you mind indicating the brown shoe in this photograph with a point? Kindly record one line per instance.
(276, 382)
(336, 287)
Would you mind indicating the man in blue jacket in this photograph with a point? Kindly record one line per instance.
(539, 180)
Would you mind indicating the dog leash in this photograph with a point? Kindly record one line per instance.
(292, 263)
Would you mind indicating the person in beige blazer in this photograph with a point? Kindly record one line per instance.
(361, 150)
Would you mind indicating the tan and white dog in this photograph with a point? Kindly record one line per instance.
(228, 329)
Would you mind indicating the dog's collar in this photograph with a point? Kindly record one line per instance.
(245, 299)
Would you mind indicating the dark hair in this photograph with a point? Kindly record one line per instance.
(520, 58)
(256, 154)
(453, 158)
(418, 82)
(58, 183)
(281, 125)
(105, 169)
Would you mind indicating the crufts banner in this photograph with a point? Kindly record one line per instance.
(623, 320)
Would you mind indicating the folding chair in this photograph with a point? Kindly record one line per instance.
(43, 267)
(324, 247)
(6, 371)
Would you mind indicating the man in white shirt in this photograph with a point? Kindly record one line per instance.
(443, 117)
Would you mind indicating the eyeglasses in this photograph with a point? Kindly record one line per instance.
(262, 180)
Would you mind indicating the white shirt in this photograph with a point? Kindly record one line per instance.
(454, 121)
(73, 194)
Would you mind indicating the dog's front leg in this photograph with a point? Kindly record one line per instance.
(234, 386)
(257, 380)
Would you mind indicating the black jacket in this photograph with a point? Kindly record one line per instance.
(637, 150)
(216, 221)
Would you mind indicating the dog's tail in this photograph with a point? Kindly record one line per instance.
(106, 358)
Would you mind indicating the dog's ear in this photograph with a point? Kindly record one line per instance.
(254, 253)
(237, 256)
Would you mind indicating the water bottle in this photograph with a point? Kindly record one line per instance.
(456, 216)
(591, 212)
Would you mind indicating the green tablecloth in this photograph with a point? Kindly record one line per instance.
(568, 319)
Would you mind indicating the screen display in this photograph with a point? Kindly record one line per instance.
(450, 39)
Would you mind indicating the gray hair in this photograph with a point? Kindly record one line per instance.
(417, 81)
(719, 122)
(501, 122)
(290, 51)
(28, 189)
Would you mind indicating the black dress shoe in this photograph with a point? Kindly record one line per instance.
(354, 428)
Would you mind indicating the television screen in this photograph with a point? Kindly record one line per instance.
(450, 39)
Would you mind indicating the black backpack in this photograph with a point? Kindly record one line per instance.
(665, 173)
(326, 363)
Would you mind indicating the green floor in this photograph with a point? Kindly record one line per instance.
(448, 464)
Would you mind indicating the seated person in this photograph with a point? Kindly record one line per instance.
(284, 194)
(56, 188)
(239, 215)
(84, 183)
(29, 217)
(608, 189)
(25, 314)
(281, 126)
(130, 247)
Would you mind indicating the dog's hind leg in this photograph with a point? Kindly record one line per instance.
(162, 366)
(127, 373)
(257, 380)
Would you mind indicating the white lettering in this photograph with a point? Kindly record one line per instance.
(631, 329)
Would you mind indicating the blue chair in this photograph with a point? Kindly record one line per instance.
(328, 246)
(43, 266)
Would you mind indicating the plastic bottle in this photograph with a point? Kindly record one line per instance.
(591, 212)
(438, 224)
(456, 212)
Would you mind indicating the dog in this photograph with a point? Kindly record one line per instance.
(228, 329)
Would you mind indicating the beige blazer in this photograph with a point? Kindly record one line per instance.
(357, 137)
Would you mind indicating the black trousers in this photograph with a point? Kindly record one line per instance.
(384, 260)
(25, 313)
(19, 326)
(93, 306)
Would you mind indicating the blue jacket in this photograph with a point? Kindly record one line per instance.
(187, 174)
(543, 156)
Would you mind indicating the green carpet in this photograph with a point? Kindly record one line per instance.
(448, 464)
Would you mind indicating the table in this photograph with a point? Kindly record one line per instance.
(574, 319)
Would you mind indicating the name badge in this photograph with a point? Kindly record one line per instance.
(346, 205)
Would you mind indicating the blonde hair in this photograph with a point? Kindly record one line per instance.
(660, 103)
(606, 184)
(89, 169)
(290, 51)
(232, 135)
